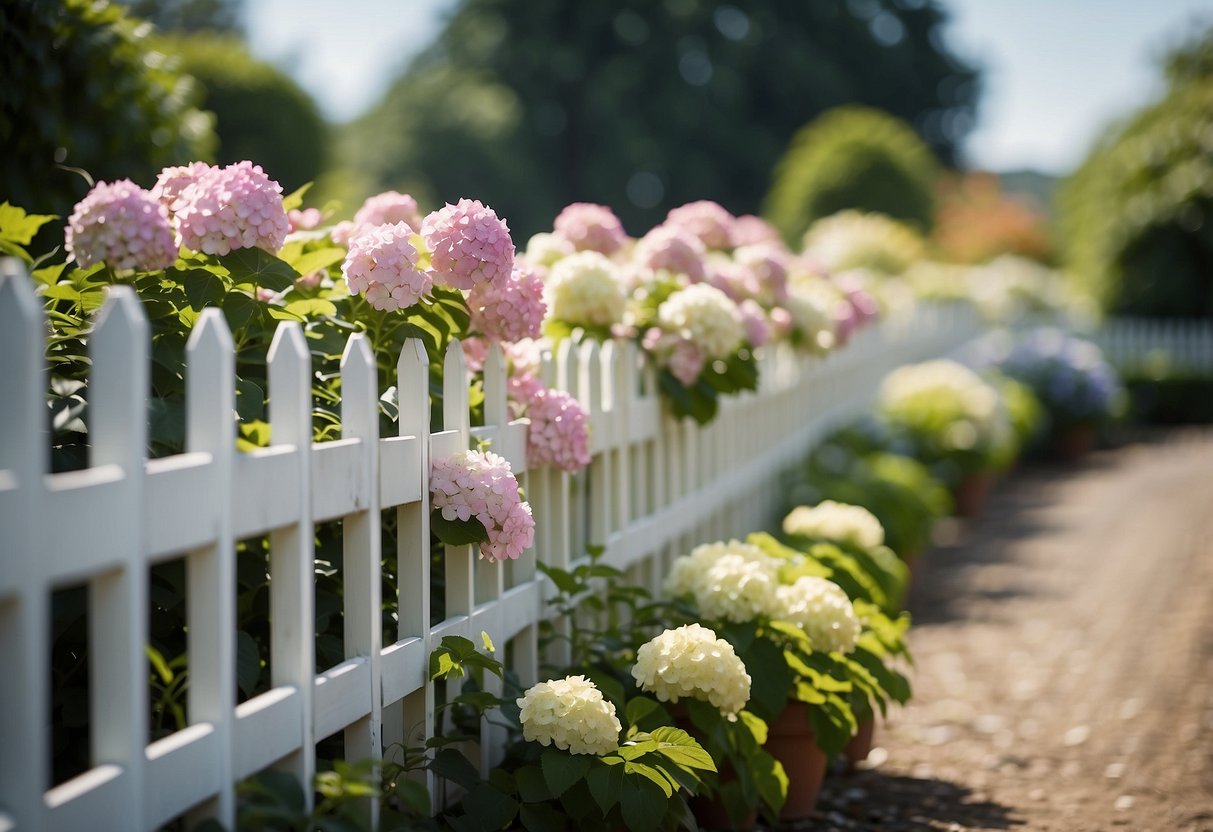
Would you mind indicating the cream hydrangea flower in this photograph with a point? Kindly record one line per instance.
(546, 249)
(705, 316)
(733, 581)
(854, 239)
(584, 289)
(836, 521)
(812, 314)
(691, 661)
(571, 714)
(821, 609)
(945, 392)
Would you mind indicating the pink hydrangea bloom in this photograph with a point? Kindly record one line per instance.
(304, 220)
(679, 355)
(122, 225)
(230, 208)
(475, 353)
(707, 220)
(481, 485)
(342, 232)
(674, 249)
(173, 180)
(382, 265)
(754, 321)
(509, 310)
(750, 230)
(521, 387)
(766, 272)
(866, 307)
(559, 432)
(389, 207)
(781, 322)
(591, 227)
(468, 245)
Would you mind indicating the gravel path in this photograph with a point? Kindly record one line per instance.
(1064, 659)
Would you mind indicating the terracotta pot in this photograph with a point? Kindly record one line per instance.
(710, 812)
(970, 495)
(1072, 443)
(860, 746)
(791, 741)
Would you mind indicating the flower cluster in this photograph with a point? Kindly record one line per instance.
(691, 661)
(122, 225)
(172, 181)
(852, 239)
(731, 581)
(469, 244)
(509, 310)
(811, 313)
(704, 316)
(382, 265)
(571, 714)
(481, 484)
(583, 289)
(673, 249)
(946, 401)
(707, 220)
(836, 521)
(823, 611)
(559, 433)
(234, 207)
(591, 227)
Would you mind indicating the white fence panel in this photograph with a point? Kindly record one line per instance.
(654, 488)
(1154, 345)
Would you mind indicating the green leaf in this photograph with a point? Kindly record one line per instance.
(565, 581)
(638, 708)
(532, 788)
(202, 288)
(19, 227)
(638, 749)
(311, 308)
(681, 748)
(540, 818)
(294, 200)
(458, 532)
(444, 666)
(489, 808)
(606, 785)
(487, 642)
(449, 764)
(771, 680)
(561, 769)
(49, 275)
(248, 663)
(414, 795)
(756, 726)
(643, 805)
(649, 773)
(160, 665)
(769, 779)
(259, 266)
(314, 261)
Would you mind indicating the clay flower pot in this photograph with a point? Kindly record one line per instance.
(791, 741)
(860, 746)
(710, 812)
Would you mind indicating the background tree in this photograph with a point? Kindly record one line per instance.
(1138, 214)
(217, 16)
(853, 157)
(84, 91)
(645, 105)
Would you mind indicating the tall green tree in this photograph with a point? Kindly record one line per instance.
(643, 105)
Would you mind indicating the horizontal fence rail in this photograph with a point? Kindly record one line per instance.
(1157, 346)
(655, 487)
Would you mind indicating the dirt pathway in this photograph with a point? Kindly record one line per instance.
(1064, 659)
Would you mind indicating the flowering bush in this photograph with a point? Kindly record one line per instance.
(731, 581)
(509, 310)
(382, 266)
(673, 249)
(122, 225)
(690, 661)
(571, 714)
(558, 434)
(584, 290)
(234, 207)
(480, 486)
(707, 220)
(836, 521)
(590, 227)
(853, 239)
(469, 245)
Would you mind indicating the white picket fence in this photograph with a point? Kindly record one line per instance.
(655, 488)
(1157, 345)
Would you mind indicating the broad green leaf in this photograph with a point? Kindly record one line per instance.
(312, 308)
(294, 200)
(315, 260)
(541, 818)
(680, 747)
(260, 267)
(638, 749)
(649, 773)
(203, 288)
(19, 227)
(769, 778)
(643, 804)
(606, 785)
(449, 764)
(755, 725)
(638, 708)
(565, 581)
(561, 769)
(457, 532)
(489, 808)
(532, 788)
(414, 795)
(444, 666)
(771, 680)
(49, 275)
(248, 663)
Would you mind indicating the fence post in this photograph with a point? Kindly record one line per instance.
(118, 604)
(292, 548)
(24, 593)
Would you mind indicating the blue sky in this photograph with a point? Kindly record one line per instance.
(1056, 70)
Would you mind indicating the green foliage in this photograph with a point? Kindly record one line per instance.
(1137, 216)
(87, 92)
(644, 106)
(261, 114)
(853, 158)
(190, 15)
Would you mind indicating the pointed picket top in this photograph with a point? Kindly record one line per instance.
(589, 391)
(210, 378)
(118, 384)
(495, 409)
(413, 389)
(22, 373)
(455, 390)
(359, 389)
(566, 366)
(290, 393)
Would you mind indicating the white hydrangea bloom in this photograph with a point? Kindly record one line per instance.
(691, 661)
(571, 714)
(812, 317)
(733, 581)
(823, 610)
(545, 249)
(706, 317)
(836, 521)
(584, 289)
(981, 421)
